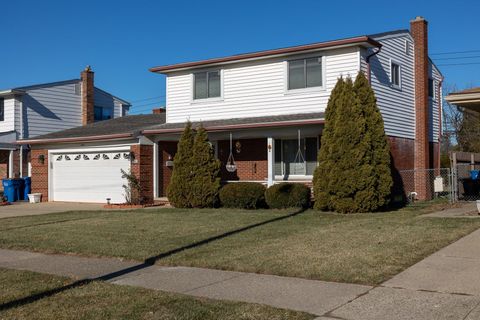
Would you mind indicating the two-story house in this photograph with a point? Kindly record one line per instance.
(264, 113)
(28, 112)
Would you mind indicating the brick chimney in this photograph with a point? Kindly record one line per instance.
(86, 77)
(419, 32)
(158, 110)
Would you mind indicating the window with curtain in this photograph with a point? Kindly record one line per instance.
(305, 73)
(206, 84)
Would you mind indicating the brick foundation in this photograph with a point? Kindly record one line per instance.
(142, 168)
(40, 173)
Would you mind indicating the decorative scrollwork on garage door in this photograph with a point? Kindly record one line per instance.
(59, 158)
(105, 157)
(96, 157)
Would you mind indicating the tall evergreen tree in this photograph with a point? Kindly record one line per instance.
(378, 178)
(321, 185)
(354, 160)
(205, 181)
(179, 189)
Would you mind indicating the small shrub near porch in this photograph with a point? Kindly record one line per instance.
(288, 195)
(243, 195)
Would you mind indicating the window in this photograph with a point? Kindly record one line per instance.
(305, 73)
(395, 76)
(286, 151)
(206, 84)
(2, 109)
(101, 113)
(431, 89)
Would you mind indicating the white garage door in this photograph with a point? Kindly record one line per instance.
(89, 176)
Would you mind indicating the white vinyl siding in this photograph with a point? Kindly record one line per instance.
(397, 105)
(9, 117)
(434, 104)
(258, 88)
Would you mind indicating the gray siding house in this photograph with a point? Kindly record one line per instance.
(28, 112)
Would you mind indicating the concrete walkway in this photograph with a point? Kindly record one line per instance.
(17, 209)
(445, 285)
(461, 210)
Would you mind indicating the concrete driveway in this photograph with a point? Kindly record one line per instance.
(18, 209)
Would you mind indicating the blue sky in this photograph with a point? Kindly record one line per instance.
(46, 41)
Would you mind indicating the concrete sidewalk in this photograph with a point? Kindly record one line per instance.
(445, 285)
(316, 297)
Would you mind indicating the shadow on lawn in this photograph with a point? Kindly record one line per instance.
(147, 263)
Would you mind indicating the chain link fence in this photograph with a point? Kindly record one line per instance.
(425, 184)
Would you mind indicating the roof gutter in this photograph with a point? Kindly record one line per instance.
(77, 139)
(238, 126)
(362, 40)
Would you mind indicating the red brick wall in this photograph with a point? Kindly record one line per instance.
(166, 151)
(88, 103)
(403, 153)
(418, 29)
(251, 161)
(40, 173)
(142, 167)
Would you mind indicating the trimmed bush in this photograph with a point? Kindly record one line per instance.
(288, 195)
(243, 195)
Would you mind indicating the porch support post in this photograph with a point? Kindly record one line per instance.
(271, 161)
(155, 170)
(10, 164)
(20, 161)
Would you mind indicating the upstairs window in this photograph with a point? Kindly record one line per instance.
(101, 113)
(2, 109)
(395, 75)
(206, 84)
(305, 73)
(431, 89)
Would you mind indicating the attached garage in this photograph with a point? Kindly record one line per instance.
(88, 176)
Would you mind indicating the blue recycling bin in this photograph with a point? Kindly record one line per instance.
(27, 187)
(474, 174)
(8, 190)
(13, 189)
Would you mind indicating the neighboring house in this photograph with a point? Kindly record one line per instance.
(271, 103)
(28, 112)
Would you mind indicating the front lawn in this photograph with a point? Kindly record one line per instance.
(362, 248)
(100, 300)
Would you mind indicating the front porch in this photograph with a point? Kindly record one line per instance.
(263, 155)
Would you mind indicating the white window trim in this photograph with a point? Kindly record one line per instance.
(318, 89)
(205, 100)
(399, 86)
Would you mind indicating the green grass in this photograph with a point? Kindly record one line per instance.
(362, 248)
(99, 300)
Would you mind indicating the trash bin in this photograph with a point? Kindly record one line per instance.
(8, 190)
(474, 174)
(27, 187)
(18, 189)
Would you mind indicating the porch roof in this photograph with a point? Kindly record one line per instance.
(469, 98)
(242, 123)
